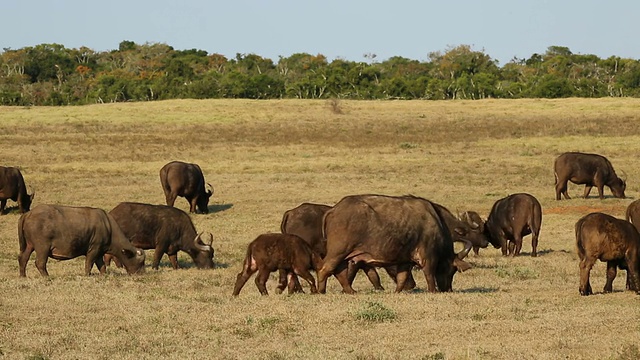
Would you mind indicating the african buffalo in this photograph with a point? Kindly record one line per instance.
(305, 221)
(633, 213)
(391, 230)
(604, 237)
(589, 169)
(511, 218)
(12, 187)
(271, 252)
(64, 232)
(165, 229)
(186, 180)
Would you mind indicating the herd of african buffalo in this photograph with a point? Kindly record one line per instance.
(360, 232)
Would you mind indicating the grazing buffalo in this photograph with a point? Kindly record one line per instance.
(63, 232)
(589, 169)
(384, 230)
(603, 237)
(164, 229)
(511, 218)
(285, 252)
(633, 213)
(305, 221)
(12, 187)
(186, 180)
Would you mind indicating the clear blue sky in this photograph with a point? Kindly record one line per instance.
(335, 28)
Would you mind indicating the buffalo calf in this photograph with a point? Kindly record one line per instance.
(614, 241)
(273, 252)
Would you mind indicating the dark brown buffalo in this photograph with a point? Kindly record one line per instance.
(273, 252)
(589, 169)
(12, 187)
(164, 229)
(305, 221)
(633, 213)
(400, 231)
(512, 218)
(463, 231)
(603, 237)
(64, 232)
(186, 180)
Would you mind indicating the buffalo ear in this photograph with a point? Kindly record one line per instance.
(461, 265)
(128, 253)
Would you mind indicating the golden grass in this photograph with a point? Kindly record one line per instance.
(264, 157)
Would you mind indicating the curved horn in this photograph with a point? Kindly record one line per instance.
(467, 247)
(33, 192)
(197, 242)
(210, 240)
(210, 189)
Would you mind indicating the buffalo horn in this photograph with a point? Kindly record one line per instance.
(624, 176)
(199, 244)
(210, 240)
(210, 189)
(33, 192)
(467, 247)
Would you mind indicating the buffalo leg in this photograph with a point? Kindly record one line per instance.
(476, 250)
(585, 268)
(282, 281)
(261, 280)
(305, 274)
(352, 270)
(293, 285)
(401, 277)
(430, 275)
(101, 265)
(327, 269)
(561, 188)
(392, 271)
(373, 276)
(174, 260)
(505, 244)
(518, 245)
(171, 198)
(41, 262)
(241, 279)
(3, 203)
(587, 190)
(192, 205)
(633, 276)
(341, 275)
(23, 259)
(612, 269)
(534, 243)
(157, 256)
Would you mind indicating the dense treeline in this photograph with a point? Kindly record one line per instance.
(50, 74)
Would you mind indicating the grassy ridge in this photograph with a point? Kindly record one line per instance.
(264, 157)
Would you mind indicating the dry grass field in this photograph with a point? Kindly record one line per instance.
(264, 157)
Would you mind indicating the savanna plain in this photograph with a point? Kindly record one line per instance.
(264, 157)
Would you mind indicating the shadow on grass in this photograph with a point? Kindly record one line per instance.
(219, 208)
(189, 264)
(10, 209)
(480, 290)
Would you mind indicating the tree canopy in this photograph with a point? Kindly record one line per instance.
(51, 74)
